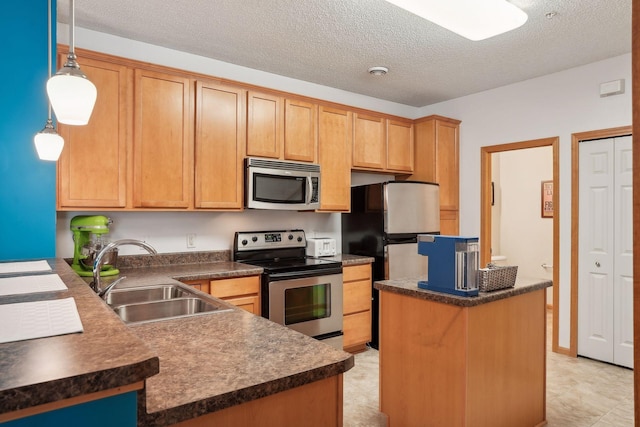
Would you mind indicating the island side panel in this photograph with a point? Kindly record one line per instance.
(422, 361)
(507, 362)
(317, 404)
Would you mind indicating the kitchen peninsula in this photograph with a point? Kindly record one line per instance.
(463, 361)
(227, 368)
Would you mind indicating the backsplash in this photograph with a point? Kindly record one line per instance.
(214, 231)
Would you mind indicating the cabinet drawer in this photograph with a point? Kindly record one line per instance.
(357, 296)
(356, 272)
(224, 288)
(356, 328)
(250, 303)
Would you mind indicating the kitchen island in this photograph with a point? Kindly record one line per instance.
(454, 361)
(227, 367)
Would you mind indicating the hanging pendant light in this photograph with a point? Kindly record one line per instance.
(48, 143)
(71, 93)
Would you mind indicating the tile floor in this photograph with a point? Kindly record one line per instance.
(580, 392)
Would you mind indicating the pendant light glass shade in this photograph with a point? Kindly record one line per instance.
(71, 93)
(472, 19)
(48, 143)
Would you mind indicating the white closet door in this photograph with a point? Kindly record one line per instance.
(605, 261)
(595, 260)
(623, 268)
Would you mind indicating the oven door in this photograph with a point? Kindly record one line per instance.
(310, 305)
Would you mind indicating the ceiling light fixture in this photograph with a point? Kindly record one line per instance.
(48, 143)
(378, 71)
(70, 91)
(473, 19)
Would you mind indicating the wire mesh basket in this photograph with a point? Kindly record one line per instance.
(496, 277)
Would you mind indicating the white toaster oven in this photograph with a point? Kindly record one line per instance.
(321, 246)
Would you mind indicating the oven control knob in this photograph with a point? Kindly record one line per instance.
(299, 239)
(290, 236)
(254, 239)
(244, 242)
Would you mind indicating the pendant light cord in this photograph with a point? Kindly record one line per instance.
(72, 31)
(49, 41)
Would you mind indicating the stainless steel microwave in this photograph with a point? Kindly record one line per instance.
(281, 184)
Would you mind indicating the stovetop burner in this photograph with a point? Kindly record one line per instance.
(295, 263)
(280, 251)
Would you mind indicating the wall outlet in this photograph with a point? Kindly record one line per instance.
(191, 240)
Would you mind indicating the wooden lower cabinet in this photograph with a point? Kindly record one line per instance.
(248, 303)
(446, 365)
(201, 285)
(356, 307)
(317, 404)
(243, 292)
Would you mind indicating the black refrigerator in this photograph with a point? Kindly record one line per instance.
(384, 222)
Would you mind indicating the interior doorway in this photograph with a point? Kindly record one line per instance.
(486, 211)
(575, 204)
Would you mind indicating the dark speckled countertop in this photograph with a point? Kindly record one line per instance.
(211, 362)
(45, 370)
(347, 259)
(409, 287)
(192, 366)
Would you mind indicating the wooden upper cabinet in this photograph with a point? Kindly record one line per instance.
(219, 146)
(92, 170)
(447, 164)
(437, 160)
(335, 135)
(399, 145)
(369, 142)
(265, 123)
(163, 143)
(300, 131)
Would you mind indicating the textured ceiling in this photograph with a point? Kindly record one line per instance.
(334, 42)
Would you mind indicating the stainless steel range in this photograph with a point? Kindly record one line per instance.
(302, 293)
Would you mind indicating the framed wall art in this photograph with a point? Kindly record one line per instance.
(547, 199)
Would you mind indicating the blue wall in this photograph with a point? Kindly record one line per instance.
(27, 190)
(119, 410)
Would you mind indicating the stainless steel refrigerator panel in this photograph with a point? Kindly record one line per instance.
(411, 207)
(403, 260)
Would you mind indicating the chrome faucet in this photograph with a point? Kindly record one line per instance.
(97, 265)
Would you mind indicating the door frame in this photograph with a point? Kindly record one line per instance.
(576, 138)
(485, 211)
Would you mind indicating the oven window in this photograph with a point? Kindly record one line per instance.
(280, 189)
(307, 303)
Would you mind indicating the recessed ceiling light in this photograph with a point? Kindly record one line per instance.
(378, 71)
(473, 19)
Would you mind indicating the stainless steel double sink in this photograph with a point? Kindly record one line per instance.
(160, 302)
